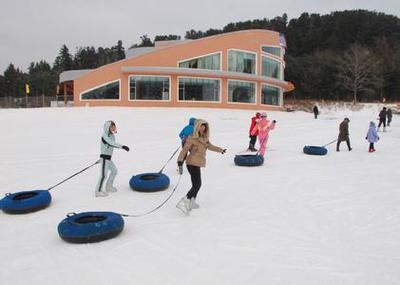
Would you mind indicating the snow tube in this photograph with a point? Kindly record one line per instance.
(25, 201)
(315, 150)
(149, 182)
(88, 227)
(249, 160)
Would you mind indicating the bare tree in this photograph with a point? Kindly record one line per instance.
(356, 71)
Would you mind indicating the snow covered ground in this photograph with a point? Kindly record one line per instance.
(298, 219)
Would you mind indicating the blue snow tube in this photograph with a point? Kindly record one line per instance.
(249, 160)
(25, 201)
(88, 227)
(315, 150)
(149, 182)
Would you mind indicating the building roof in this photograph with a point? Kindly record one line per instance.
(71, 75)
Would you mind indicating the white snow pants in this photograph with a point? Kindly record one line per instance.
(106, 165)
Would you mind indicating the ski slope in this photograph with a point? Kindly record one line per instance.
(297, 219)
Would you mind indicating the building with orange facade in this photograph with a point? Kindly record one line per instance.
(239, 70)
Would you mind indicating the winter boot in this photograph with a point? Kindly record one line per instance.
(184, 205)
(101, 194)
(193, 204)
(111, 189)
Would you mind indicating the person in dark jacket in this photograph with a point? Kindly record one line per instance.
(382, 119)
(389, 116)
(253, 137)
(187, 131)
(344, 134)
(316, 111)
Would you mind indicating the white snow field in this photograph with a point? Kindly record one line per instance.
(298, 219)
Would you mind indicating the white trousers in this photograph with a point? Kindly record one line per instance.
(106, 167)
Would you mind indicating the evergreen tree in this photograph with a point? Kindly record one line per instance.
(119, 50)
(85, 58)
(3, 87)
(15, 81)
(42, 79)
(64, 60)
(166, 38)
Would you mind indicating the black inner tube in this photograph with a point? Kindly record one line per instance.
(148, 177)
(24, 196)
(89, 219)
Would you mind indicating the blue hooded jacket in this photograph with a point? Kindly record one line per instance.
(372, 135)
(187, 130)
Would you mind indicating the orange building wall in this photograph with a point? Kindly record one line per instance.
(168, 57)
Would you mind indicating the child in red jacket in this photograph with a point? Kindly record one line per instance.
(253, 137)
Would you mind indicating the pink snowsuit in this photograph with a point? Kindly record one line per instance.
(263, 127)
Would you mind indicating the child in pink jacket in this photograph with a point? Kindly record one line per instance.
(263, 127)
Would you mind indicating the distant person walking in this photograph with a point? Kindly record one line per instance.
(372, 136)
(382, 119)
(316, 111)
(344, 134)
(389, 116)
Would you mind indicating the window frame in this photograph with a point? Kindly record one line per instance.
(235, 103)
(194, 101)
(280, 94)
(200, 56)
(152, 100)
(275, 59)
(101, 85)
(270, 54)
(245, 51)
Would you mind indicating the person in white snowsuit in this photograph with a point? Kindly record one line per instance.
(107, 145)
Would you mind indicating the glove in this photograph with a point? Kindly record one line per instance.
(274, 121)
(180, 168)
(366, 138)
(223, 151)
(125, 147)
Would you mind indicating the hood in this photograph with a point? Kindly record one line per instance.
(196, 129)
(192, 121)
(107, 126)
(371, 124)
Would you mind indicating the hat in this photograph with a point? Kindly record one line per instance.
(258, 114)
(263, 115)
(347, 119)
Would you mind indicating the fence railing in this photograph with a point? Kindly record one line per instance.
(35, 101)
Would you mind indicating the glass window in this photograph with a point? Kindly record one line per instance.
(198, 89)
(271, 67)
(241, 92)
(272, 50)
(149, 88)
(206, 62)
(105, 92)
(243, 62)
(270, 95)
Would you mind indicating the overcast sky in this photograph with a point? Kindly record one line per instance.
(31, 30)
